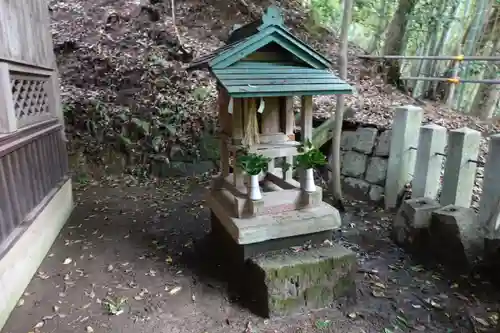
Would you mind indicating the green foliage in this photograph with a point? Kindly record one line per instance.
(326, 12)
(201, 93)
(310, 157)
(252, 163)
(286, 166)
(154, 134)
(477, 67)
(68, 108)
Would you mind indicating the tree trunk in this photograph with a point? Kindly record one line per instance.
(416, 85)
(486, 100)
(380, 27)
(431, 91)
(477, 26)
(433, 37)
(339, 112)
(395, 40)
(487, 95)
(443, 88)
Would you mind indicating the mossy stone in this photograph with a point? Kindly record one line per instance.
(305, 280)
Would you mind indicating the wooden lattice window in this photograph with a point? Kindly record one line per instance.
(30, 96)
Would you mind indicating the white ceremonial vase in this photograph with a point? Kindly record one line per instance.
(309, 185)
(254, 188)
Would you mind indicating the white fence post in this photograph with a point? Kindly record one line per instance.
(404, 141)
(430, 156)
(460, 167)
(490, 195)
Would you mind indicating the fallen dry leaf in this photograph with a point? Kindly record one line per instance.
(376, 293)
(175, 290)
(433, 303)
(481, 321)
(379, 285)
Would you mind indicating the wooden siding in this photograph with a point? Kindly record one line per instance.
(25, 34)
(32, 163)
(33, 157)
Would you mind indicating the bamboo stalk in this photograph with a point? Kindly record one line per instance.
(460, 58)
(456, 69)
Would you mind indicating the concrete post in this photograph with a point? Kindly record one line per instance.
(460, 168)
(490, 196)
(402, 154)
(430, 156)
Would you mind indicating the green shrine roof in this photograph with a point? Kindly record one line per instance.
(295, 68)
(260, 79)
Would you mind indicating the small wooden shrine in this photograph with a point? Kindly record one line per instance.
(258, 73)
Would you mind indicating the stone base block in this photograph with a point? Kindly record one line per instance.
(410, 225)
(285, 283)
(273, 226)
(237, 253)
(456, 239)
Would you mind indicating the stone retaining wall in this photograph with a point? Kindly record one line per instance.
(365, 154)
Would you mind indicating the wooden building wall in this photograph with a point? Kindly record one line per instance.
(33, 156)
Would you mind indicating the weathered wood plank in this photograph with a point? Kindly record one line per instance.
(291, 89)
(19, 182)
(29, 176)
(271, 116)
(281, 81)
(35, 171)
(8, 120)
(273, 76)
(306, 117)
(25, 33)
(5, 205)
(13, 190)
(58, 152)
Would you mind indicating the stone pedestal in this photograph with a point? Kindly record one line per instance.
(284, 283)
(411, 222)
(279, 226)
(271, 279)
(237, 252)
(456, 237)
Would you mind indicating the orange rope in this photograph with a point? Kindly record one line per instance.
(454, 80)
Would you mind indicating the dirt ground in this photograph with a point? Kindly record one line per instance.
(140, 248)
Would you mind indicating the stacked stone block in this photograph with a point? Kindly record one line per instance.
(364, 154)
